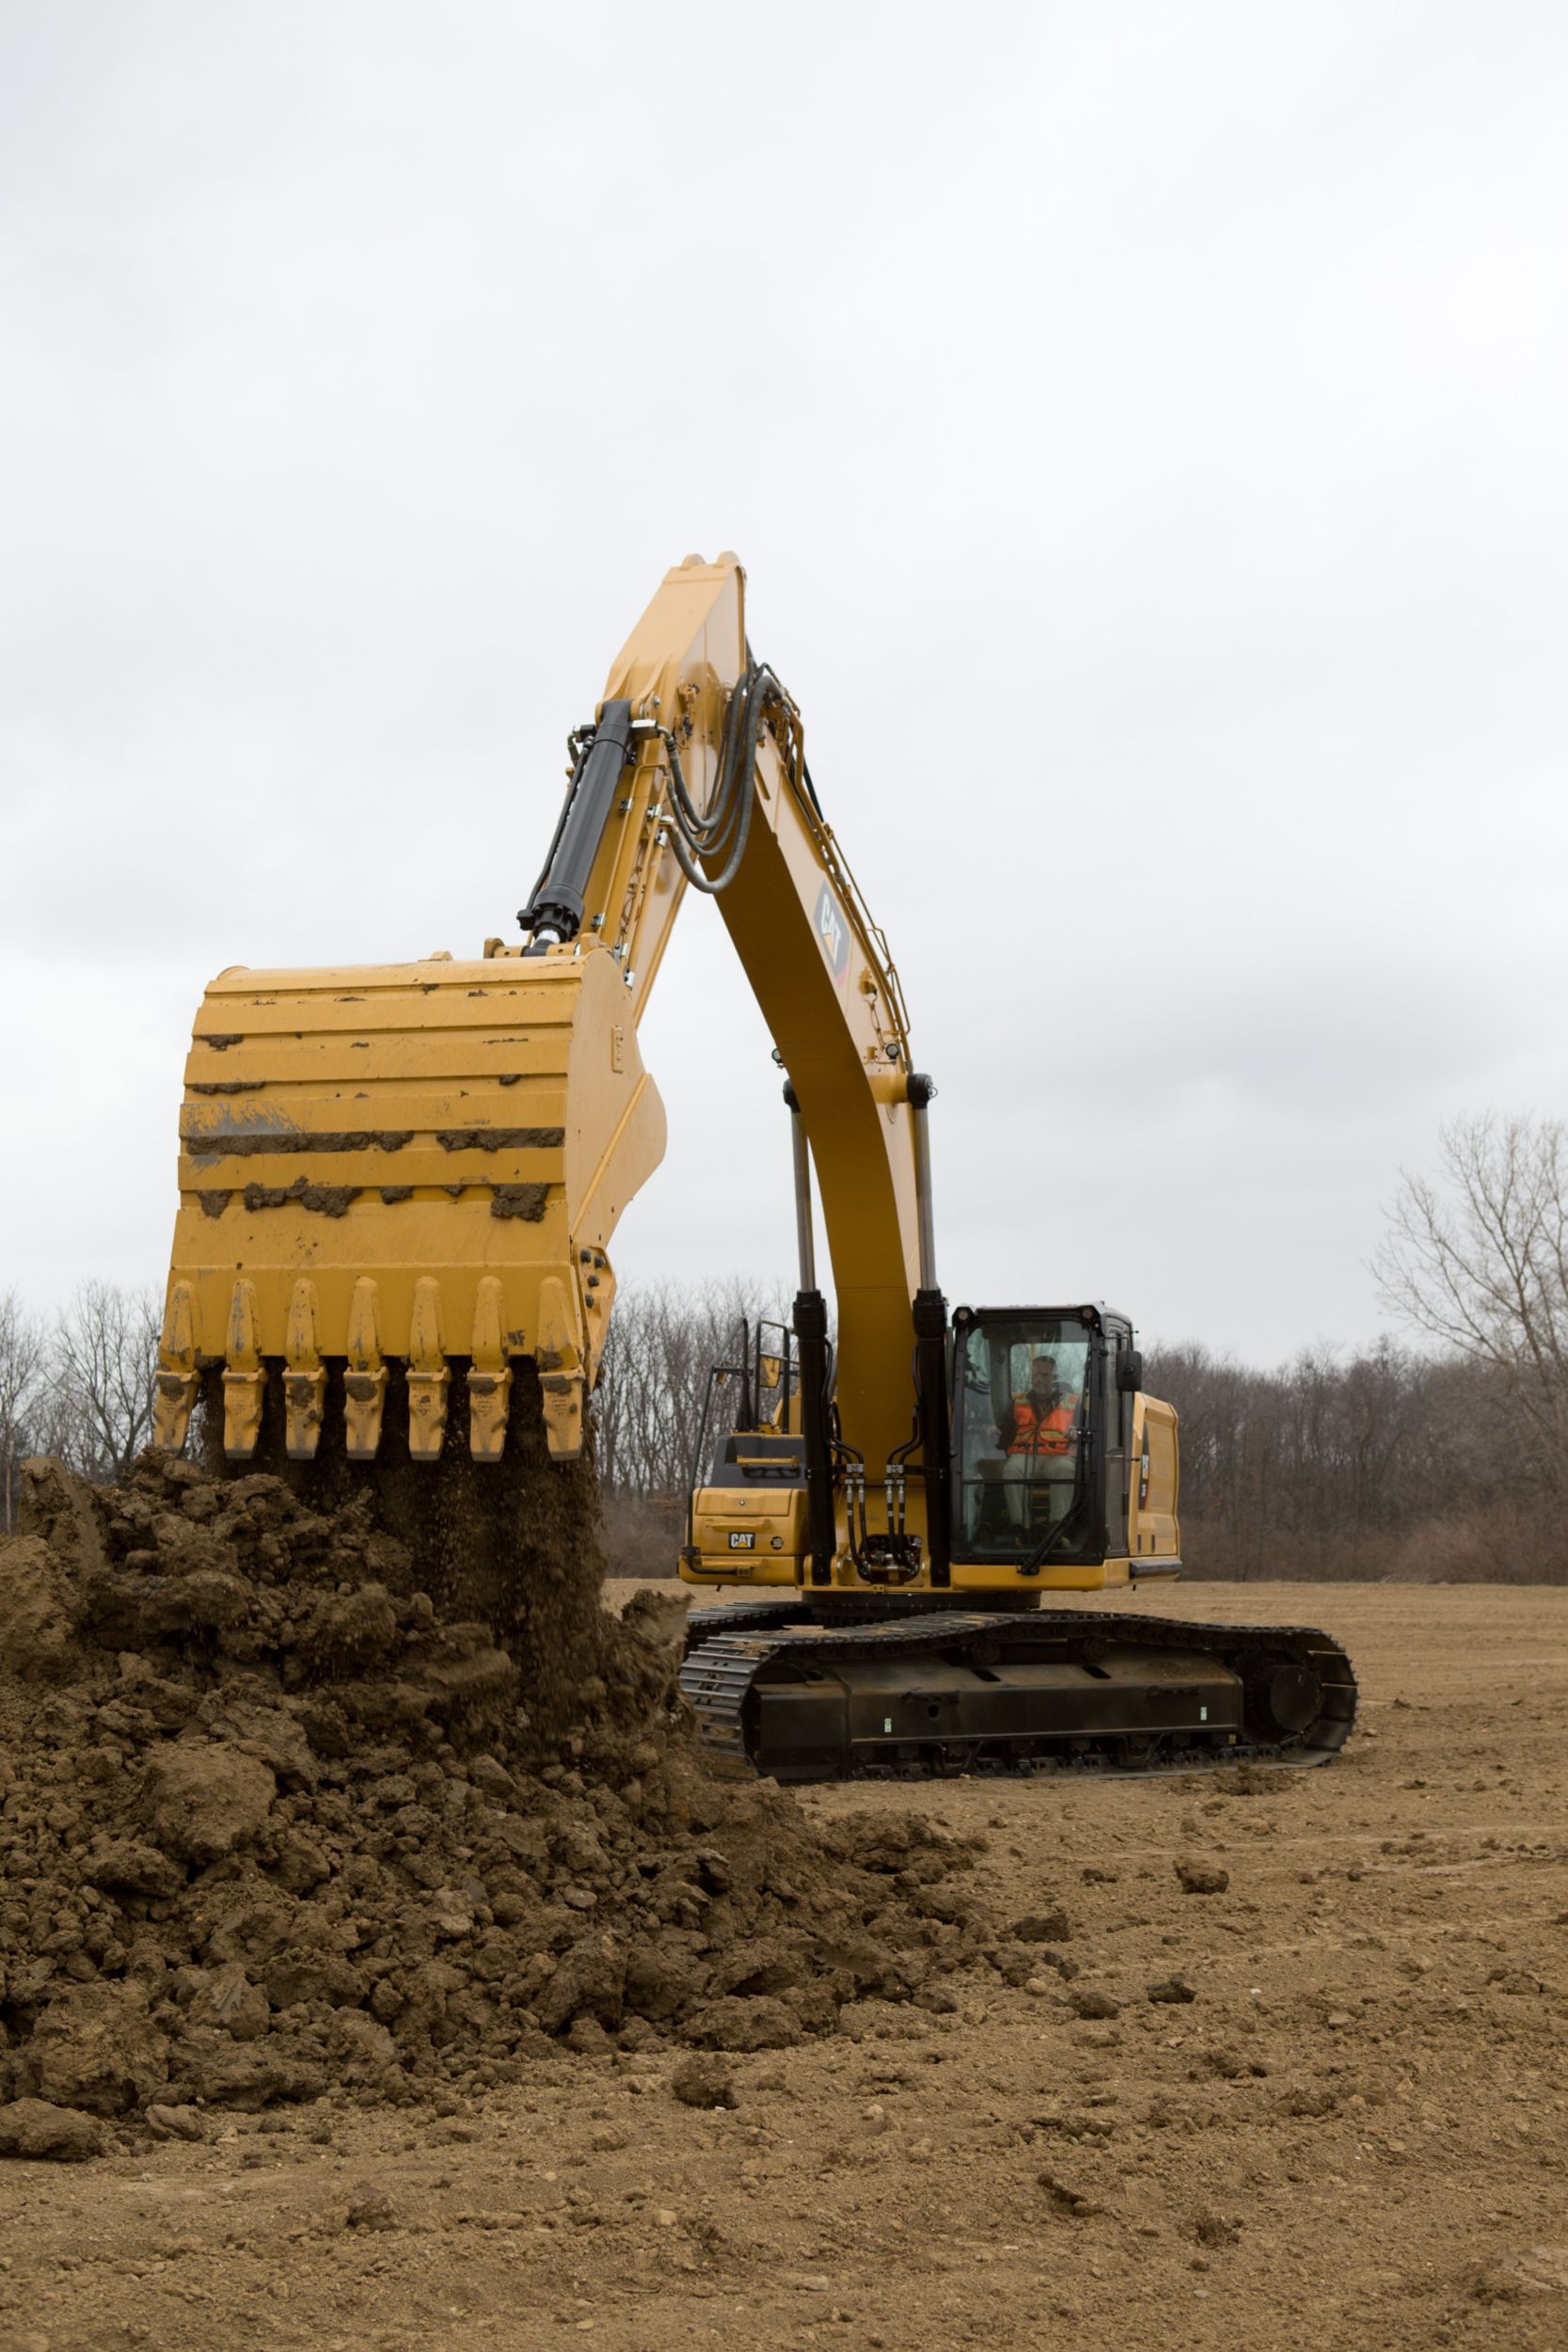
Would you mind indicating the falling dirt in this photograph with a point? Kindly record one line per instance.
(515, 1543)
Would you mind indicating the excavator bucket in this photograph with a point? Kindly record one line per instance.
(396, 1179)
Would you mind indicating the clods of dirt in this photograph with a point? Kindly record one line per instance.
(704, 2081)
(274, 1821)
(36, 2129)
(1201, 1878)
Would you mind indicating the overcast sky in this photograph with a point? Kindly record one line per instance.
(1144, 429)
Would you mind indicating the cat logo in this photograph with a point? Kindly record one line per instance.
(833, 932)
(746, 1542)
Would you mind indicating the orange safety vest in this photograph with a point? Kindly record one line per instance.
(1040, 1433)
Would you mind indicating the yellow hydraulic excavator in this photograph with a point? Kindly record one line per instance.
(398, 1188)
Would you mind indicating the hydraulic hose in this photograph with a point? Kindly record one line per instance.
(722, 830)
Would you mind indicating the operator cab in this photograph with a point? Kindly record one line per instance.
(1042, 1418)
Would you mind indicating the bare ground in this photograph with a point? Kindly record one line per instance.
(1354, 2132)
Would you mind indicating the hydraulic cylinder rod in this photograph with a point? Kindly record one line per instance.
(931, 1351)
(805, 1240)
(811, 1332)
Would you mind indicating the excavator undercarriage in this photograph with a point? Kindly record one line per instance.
(945, 1691)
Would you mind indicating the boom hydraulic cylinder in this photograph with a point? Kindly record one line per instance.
(811, 1334)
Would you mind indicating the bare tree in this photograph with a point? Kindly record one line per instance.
(1478, 1258)
(105, 1360)
(23, 1372)
(663, 1338)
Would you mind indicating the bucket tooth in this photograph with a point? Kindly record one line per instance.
(561, 1377)
(562, 1403)
(243, 1377)
(364, 1376)
(428, 1374)
(177, 1378)
(303, 1375)
(489, 1376)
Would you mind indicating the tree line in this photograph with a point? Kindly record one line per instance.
(78, 1385)
(1381, 1463)
(1377, 1462)
(1446, 1462)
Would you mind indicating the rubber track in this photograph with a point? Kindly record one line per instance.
(729, 1647)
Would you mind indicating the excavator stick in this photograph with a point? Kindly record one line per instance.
(402, 1176)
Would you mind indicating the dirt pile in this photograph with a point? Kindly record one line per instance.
(270, 1821)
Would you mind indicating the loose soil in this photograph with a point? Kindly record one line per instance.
(271, 1825)
(1269, 2060)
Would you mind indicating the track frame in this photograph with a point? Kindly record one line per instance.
(1112, 1696)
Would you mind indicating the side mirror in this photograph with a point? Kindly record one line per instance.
(1129, 1371)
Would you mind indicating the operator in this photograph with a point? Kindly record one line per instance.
(1040, 1432)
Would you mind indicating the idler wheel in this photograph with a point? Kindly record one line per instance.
(1284, 1696)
